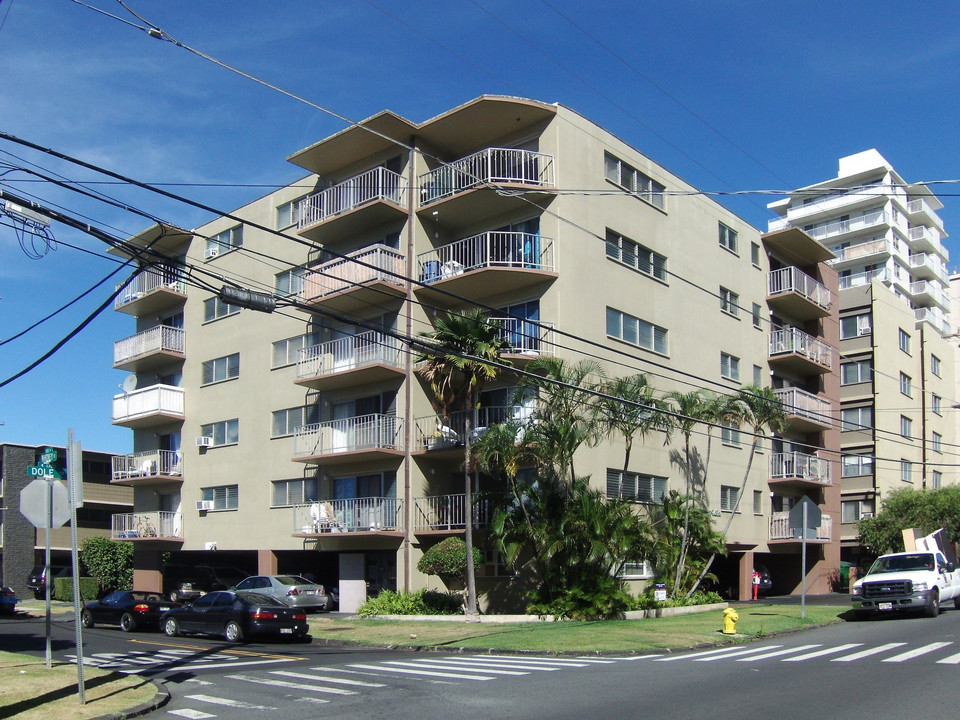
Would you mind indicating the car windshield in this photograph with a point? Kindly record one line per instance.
(903, 563)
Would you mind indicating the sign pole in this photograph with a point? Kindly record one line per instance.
(803, 565)
(46, 569)
(75, 486)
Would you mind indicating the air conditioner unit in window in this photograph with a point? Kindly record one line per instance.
(865, 515)
(204, 441)
(211, 252)
(866, 331)
(204, 505)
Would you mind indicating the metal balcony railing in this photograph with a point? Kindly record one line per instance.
(158, 525)
(526, 337)
(433, 432)
(150, 280)
(157, 339)
(495, 249)
(448, 512)
(153, 400)
(368, 514)
(800, 403)
(792, 279)
(149, 463)
(381, 263)
(492, 165)
(349, 353)
(357, 191)
(865, 278)
(793, 341)
(364, 432)
(801, 466)
(780, 527)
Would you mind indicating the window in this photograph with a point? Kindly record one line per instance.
(287, 351)
(728, 238)
(290, 282)
(636, 331)
(285, 422)
(757, 315)
(637, 571)
(904, 341)
(294, 492)
(757, 375)
(224, 241)
(906, 385)
(288, 214)
(936, 441)
(935, 365)
(906, 426)
(225, 497)
(492, 558)
(935, 403)
(853, 465)
(859, 371)
(755, 254)
(631, 179)
(729, 301)
(226, 432)
(852, 511)
(220, 369)
(729, 367)
(636, 256)
(936, 479)
(758, 502)
(214, 308)
(857, 418)
(855, 325)
(730, 433)
(906, 470)
(728, 497)
(635, 486)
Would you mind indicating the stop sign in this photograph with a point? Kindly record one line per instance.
(33, 503)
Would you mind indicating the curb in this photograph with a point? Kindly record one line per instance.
(161, 698)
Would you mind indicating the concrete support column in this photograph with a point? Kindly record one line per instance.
(147, 566)
(353, 584)
(745, 589)
(266, 562)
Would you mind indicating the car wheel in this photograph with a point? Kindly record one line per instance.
(86, 619)
(933, 604)
(171, 628)
(328, 606)
(127, 623)
(233, 632)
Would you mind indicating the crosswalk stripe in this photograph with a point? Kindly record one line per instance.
(480, 663)
(868, 652)
(730, 653)
(290, 685)
(329, 679)
(425, 673)
(821, 653)
(441, 665)
(910, 654)
(239, 704)
(705, 653)
(191, 714)
(560, 662)
(952, 660)
(778, 653)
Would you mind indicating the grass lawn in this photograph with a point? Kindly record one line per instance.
(612, 636)
(31, 691)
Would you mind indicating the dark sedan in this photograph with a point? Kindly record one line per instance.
(130, 609)
(8, 599)
(236, 616)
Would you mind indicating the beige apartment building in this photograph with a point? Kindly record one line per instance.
(303, 440)
(897, 347)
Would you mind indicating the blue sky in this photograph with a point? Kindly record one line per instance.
(731, 96)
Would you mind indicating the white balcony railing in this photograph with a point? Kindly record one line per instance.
(349, 353)
(793, 341)
(381, 264)
(863, 250)
(432, 432)
(448, 512)
(150, 280)
(930, 262)
(926, 239)
(158, 525)
(935, 318)
(865, 278)
(496, 249)
(841, 227)
(780, 527)
(493, 165)
(367, 187)
(149, 463)
(157, 339)
(367, 514)
(800, 403)
(364, 432)
(932, 291)
(794, 280)
(526, 337)
(920, 206)
(153, 400)
(801, 466)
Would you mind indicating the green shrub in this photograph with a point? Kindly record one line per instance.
(422, 602)
(63, 589)
(448, 559)
(109, 561)
(595, 597)
(645, 601)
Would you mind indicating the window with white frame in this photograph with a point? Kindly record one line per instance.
(730, 433)
(853, 326)
(854, 465)
(728, 237)
(904, 340)
(637, 487)
(906, 426)
(637, 570)
(729, 367)
(856, 418)
(290, 282)
(220, 243)
(636, 256)
(215, 308)
(936, 442)
(220, 369)
(635, 331)
(935, 365)
(224, 497)
(906, 470)
(729, 301)
(758, 502)
(858, 371)
(288, 213)
(285, 422)
(631, 179)
(287, 351)
(936, 403)
(757, 375)
(906, 385)
(755, 254)
(294, 492)
(728, 497)
(936, 478)
(225, 432)
(757, 313)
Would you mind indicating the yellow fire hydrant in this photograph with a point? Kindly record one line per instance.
(730, 617)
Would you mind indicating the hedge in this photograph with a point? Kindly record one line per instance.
(63, 589)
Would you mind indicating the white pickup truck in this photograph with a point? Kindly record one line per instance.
(907, 581)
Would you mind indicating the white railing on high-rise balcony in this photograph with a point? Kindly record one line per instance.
(448, 512)
(854, 224)
(931, 290)
(932, 262)
(793, 279)
(494, 249)
(349, 353)
(803, 466)
(434, 432)
(149, 463)
(380, 264)
(150, 280)
(157, 339)
(349, 515)
(865, 278)
(493, 165)
(357, 191)
(153, 400)
(801, 403)
(375, 431)
(925, 236)
(919, 205)
(780, 528)
(935, 318)
(156, 524)
(862, 250)
(526, 337)
(794, 341)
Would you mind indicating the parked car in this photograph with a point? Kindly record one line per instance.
(236, 616)
(766, 582)
(8, 599)
(37, 579)
(188, 582)
(333, 598)
(290, 590)
(130, 609)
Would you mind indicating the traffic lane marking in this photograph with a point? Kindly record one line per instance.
(228, 651)
(227, 702)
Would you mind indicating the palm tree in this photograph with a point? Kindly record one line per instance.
(460, 354)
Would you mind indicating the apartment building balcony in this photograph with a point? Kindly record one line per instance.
(837, 203)
(486, 264)
(151, 467)
(799, 352)
(921, 212)
(805, 411)
(924, 292)
(799, 469)
(360, 280)
(353, 439)
(348, 361)
(357, 516)
(780, 529)
(935, 318)
(929, 266)
(865, 278)
(873, 251)
(447, 514)
(852, 227)
(797, 294)
(152, 291)
(149, 349)
(926, 239)
(466, 190)
(370, 198)
(436, 434)
(527, 339)
(157, 525)
(148, 407)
